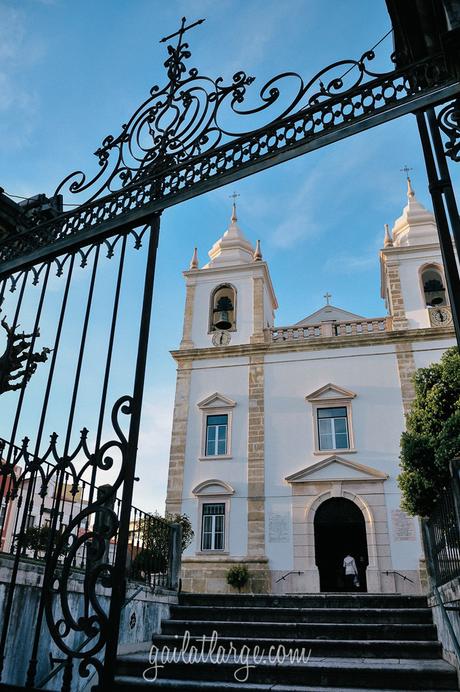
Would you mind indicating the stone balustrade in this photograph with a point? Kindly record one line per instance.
(330, 329)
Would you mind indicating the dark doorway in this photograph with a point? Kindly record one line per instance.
(339, 529)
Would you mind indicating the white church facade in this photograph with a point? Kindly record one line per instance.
(285, 440)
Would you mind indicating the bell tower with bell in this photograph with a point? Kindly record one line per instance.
(230, 300)
(412, 276)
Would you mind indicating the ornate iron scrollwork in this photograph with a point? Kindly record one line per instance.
(449, 122)
(82, 638)
(18, 364)
(186, 118)
(190, 136)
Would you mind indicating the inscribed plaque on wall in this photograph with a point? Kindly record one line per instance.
(403, 526)
(279, 528)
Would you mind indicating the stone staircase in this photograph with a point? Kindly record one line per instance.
(351, 642)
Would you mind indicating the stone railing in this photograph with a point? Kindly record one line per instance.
(330, 329)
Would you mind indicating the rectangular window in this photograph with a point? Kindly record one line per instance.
(216, 435)
(333, 428)
(213, 526)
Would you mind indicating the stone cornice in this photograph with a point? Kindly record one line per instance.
(195, 275)
(318, 344)
(392, 252)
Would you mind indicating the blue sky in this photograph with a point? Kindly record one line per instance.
(72, 72)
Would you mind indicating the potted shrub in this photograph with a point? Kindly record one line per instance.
(238, 576)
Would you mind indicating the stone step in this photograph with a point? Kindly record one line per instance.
(346, 648)
(315, 672)
(124, 683)
(326, 600)
(278, 614)
(312, 630)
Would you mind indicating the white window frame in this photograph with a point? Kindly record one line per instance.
(216, 405)
(213, 492)
(217, 426)
(332, 396)
(213, 531)
(333, 432)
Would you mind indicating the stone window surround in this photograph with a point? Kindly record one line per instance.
(225, 284)
(339, 489)
(343, 399)
(226, 408)
(204, 497)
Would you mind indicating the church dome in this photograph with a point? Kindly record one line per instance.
(233, 248)
(416, 225)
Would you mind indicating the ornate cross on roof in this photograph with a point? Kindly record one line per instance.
(327, 296)
(182, 30)
(234, 196)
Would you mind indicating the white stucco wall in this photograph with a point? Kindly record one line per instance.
(428, 352)
(372, 374)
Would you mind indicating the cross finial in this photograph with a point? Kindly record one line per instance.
(234, 196)
(327, 296)
(182, 30)
(405, 169)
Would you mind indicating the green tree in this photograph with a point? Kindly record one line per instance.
(37, 538)
(432, 437)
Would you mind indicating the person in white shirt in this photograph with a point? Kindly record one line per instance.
(351, 572)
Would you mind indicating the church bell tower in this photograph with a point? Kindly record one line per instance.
(412, 275)
(230, 300)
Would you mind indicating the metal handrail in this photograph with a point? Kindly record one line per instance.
(287, 575)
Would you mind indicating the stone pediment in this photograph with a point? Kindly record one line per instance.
(329, 313)
(336, 468)
(216, 400)
(213, 487)
(330, 391)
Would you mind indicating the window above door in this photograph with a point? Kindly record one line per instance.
(331, 411)
(216, 435)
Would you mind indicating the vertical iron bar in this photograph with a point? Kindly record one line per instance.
(57, 343)
(119, 568)
(445, 182)
(108, 362)
(29, 355)
(445, 241)
(32, 670)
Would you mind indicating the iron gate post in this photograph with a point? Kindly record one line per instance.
(440, 186)
(119, 576)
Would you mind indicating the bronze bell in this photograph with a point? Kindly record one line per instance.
(222, 319)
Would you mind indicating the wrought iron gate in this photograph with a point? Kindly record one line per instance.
(71, 282)
(91, 310)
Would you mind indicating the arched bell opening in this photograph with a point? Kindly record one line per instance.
(339, 530)
(223, 308)
(434, 291)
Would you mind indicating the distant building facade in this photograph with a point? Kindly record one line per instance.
(285, 440)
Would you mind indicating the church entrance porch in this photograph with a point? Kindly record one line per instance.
(339, 530)
(340, 506)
